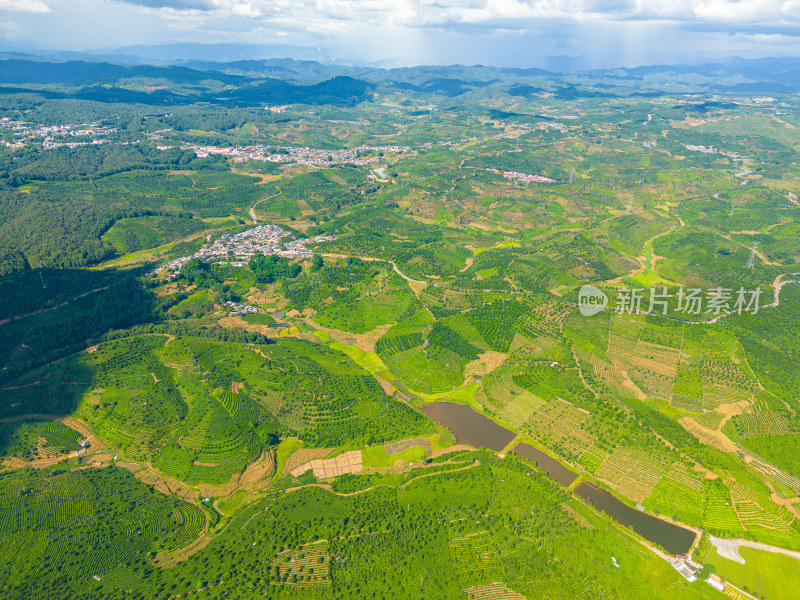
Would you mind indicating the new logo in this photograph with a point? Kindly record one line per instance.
(591, 300)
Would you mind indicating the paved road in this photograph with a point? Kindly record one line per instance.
(729, 548)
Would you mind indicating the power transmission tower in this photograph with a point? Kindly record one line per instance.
(751, 262)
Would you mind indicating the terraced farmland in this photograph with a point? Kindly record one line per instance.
(306, 566)
(32, 440)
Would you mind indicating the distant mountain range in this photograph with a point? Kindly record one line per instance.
(230, 52)
(285, 80)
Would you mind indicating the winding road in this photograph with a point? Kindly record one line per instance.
(252, 210)
(371, 259)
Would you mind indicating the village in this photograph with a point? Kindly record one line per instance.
(524, 177)
(712, 150)
(237, 248)
(51, 137)
(544, 125)
(298, 155)
(23, 131)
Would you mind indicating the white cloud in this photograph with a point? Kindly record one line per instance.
(511, 14)
(502, 31)
(771, 39)
(746, 11)
(246, 9)
(190, 5)
(31, 6)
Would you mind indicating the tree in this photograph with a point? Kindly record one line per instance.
(198, 272)
(317, 263)
(271, 268)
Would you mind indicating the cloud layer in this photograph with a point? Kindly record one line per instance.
(31, 6)
(626, 31)
(176, 4)
(505, 13)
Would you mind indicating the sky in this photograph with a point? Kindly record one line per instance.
(520, 33)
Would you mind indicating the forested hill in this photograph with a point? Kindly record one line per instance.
(283, 81)
(171, 85)
(80, 72)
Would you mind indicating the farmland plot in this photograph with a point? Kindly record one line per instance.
(305, 566)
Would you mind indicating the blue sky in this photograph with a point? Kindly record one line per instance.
(406, 32)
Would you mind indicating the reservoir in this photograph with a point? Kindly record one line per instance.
(469, 427)
(554, 469)
(674, 539)
(476, 430)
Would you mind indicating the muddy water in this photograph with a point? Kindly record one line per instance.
(469, 427)
(673, 538)
(474, 429)
(554, 469)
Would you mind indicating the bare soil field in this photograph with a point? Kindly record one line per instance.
(349, 462)
(304, 455)
(484, 364)
(259, 471)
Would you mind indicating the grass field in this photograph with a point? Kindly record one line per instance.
(464, 394)
(285, 449)
(370, 361)
(259, 319)
(767, 575)
(376, 456)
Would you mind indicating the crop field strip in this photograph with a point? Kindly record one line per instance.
(752, 513)
(758, 424)
(500, 387)
(633, 472)
(623, 350)
(176, 523)
(610, 375)
(198, 446)
(491, 591)
(488, 547)
(559, 424)
(680, 473)
(789, 481)
(305, 566)
(33, 440)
